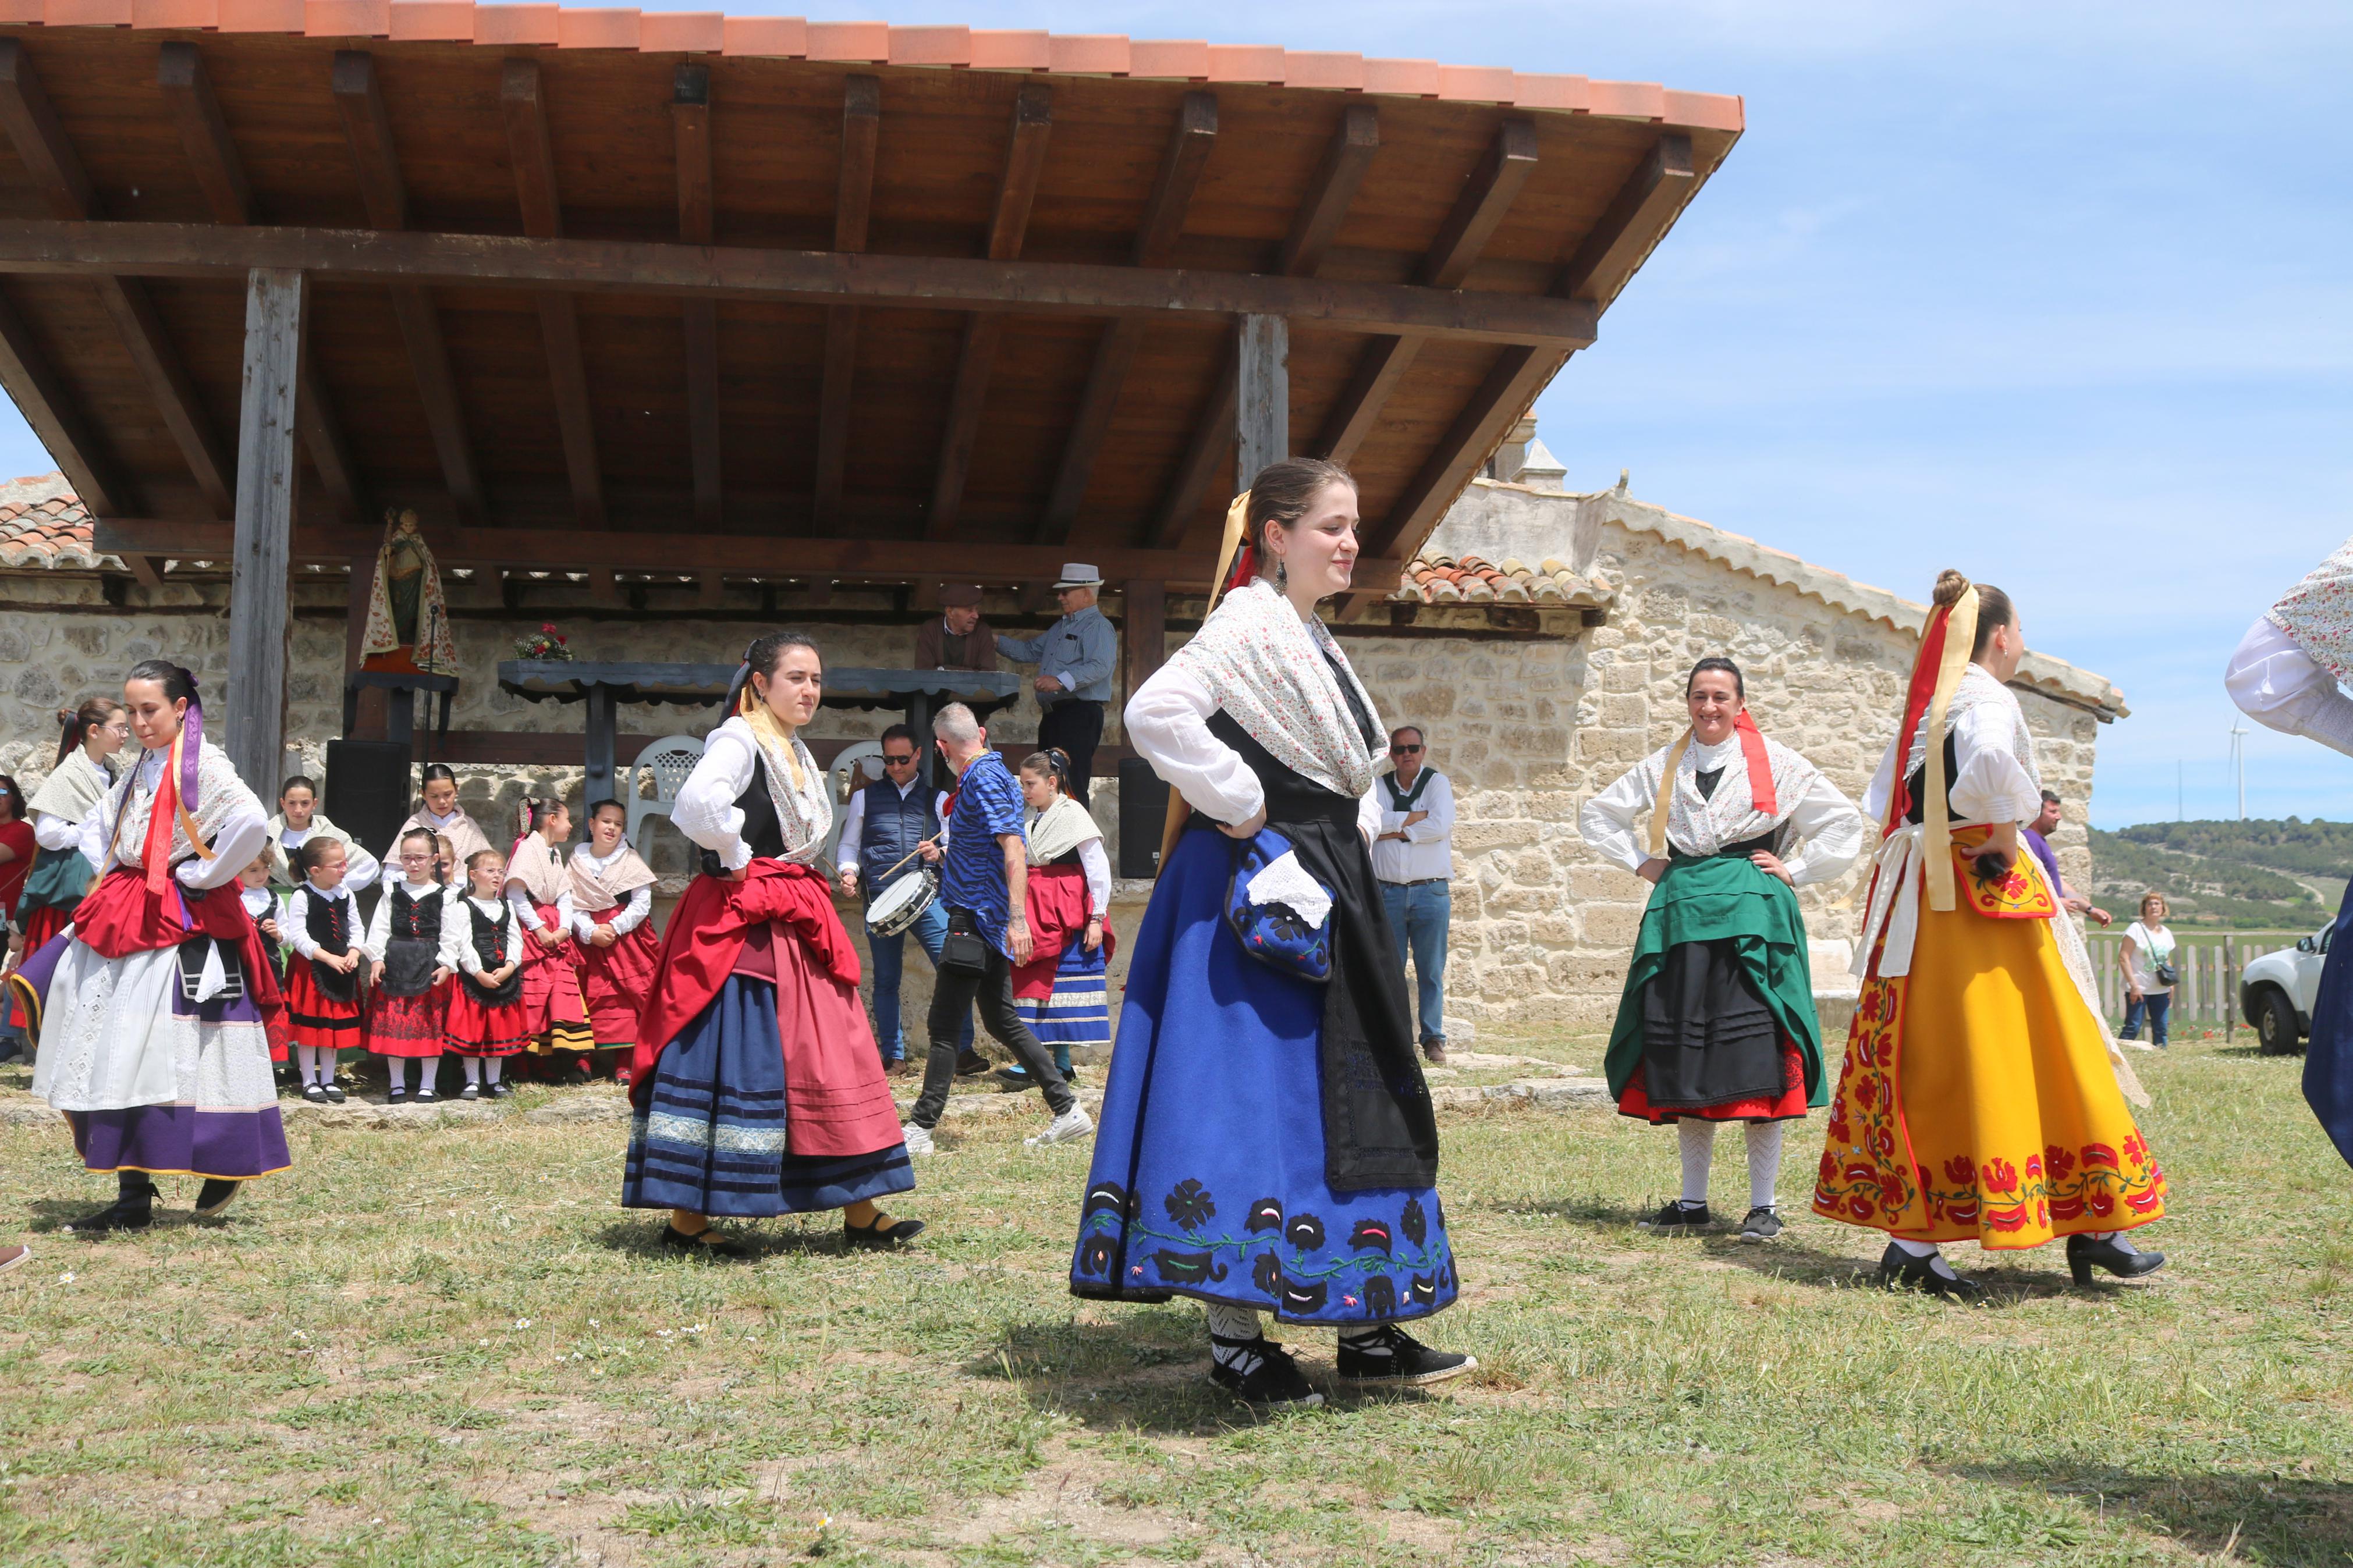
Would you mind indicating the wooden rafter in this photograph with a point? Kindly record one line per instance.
(1486, 197)
(861, 126)
(1016, 191)
(531, 152)
(1181, 167)
(359, 98)
(48, 406)
(212, 152)
(690, 113)
(56, 171)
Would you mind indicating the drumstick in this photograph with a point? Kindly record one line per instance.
(911, 854)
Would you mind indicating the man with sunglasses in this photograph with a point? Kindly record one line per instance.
(890, 819)
(1413, 858)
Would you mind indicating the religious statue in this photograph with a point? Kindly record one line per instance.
(408, 620)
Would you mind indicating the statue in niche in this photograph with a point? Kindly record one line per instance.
(408, 620)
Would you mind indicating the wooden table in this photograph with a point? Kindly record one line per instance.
(604, 685)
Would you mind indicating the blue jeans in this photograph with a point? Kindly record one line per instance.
(890, 953)
(1418, 915)
(2156, 1005)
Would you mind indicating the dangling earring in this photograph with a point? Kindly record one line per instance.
(1282, 576)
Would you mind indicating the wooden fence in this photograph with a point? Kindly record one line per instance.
(2209, 962)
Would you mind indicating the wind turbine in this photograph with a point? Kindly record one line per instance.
(2239, 761)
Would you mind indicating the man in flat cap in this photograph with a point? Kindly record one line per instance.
(1074, 659)
(958, 638)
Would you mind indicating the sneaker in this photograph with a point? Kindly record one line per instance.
(1263, 1374)
(1393, 1357)
(1677, 1219)
(918, 1140)
(1762, 1224)
(472, 1091)
(1067, 1128)
(1433, 1050)
(317, 1096)
(1014, 1076)
(971, 1064)
(334, 1093)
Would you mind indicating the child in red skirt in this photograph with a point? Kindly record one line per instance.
(481, 942)
(540, 894)
(322, 980)
(612, 905)
(405, 1017)
(267, 909)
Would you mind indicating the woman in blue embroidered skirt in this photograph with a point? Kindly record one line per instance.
(1267, 1142)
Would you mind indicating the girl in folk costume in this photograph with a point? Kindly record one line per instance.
(322, 984)
(298, 821)
(2287, 674)
(540, 893)
(613, 906)
(1267, 1142)
(77, 785)
(757, 1083)
(266, 907)
(157, 1039)
(1717, 1020)
(1061, 992)
(483, 945)
(406, 975)
(1979, 1102)
(438, 813)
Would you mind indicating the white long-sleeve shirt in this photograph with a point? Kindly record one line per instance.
(242, 834)
(379, 931)
(624, 916)
(853, 824)
(458, 935)
(297, 924)
(1825, 830)
(51, 831)
(2280, 686)
(1427, 852)
(1167, 723)
(706, 809)
(1991, 784)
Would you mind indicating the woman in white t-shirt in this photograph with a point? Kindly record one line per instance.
(2148, 944)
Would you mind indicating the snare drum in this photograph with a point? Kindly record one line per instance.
(902, 904)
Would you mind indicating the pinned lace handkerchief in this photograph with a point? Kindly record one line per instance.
(1279, 911)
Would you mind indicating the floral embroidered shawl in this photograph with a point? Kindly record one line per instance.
(1275, 674)
(2318, 614)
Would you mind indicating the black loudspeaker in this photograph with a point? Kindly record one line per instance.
(368, 791)
(1142, 817)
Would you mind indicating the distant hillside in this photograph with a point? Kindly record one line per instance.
(2265, 874)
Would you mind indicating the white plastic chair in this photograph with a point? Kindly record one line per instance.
(669, 760)
(854, 767)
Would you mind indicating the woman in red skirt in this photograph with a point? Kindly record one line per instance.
(613, 906)
(405, 1016)
(323, 982)
(481, 944)
(541, 896)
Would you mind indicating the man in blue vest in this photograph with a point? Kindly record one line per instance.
(890, 819)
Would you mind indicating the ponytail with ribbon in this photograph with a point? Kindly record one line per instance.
(1944, 647)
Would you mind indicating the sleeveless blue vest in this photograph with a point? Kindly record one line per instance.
(893, 828)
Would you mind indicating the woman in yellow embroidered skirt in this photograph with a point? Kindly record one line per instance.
(1980, 1101)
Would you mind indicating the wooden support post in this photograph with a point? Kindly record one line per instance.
(1144, 630)
(1262, 397)
(690, 111)
(861, 125)
(260, 598)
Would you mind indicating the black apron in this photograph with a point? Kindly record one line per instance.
(489, 939)
(328, 926)
(413, 950)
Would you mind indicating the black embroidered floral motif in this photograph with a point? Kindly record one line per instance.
(1265, 1214)
(1094, 1256)
(1305, 1232)
(1187, 1267)
(1380, 1297)
(1190, 1205)
(1417, 1225)
(1425, 1290)
(1370, 1236)
(1267, 1273)
(1108, 1197)
(1303, 1298)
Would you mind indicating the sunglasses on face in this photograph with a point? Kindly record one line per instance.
(1403, 751)
(890, 761)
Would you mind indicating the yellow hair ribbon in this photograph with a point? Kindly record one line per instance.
(1961, 636)
(1666, 794)
(768, 732)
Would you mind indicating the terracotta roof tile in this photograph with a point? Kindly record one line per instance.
(43, 524)
(1443, 580)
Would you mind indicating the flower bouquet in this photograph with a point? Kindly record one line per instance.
(547, 643)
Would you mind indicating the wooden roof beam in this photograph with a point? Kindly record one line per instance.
(533, 153)
(1486, 197)
(48, 406)
(56, 169)
(690, 116)
(1016, 191)
(359, 100)
(853, 210)
(212, 152)
(1636, 218)
(1181, 167)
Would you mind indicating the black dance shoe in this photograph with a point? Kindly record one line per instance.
(317, 1096)
(334, 1093)
(1898, 1269)
(1397, 1358)
(2085, 1254)
(472, 1091)
(1675, 1219)
(1762, 1224)
(704, 1243)
(215, 1195)
(424, 1095)
(134, 1209)
(884, 1232)
(396, 1094)
(1263, 1374)
(498, 1091)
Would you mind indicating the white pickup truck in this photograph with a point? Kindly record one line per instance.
(2276, 992)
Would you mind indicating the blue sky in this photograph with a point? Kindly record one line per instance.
(2057, 293)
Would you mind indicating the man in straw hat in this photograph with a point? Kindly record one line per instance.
(1074, 658)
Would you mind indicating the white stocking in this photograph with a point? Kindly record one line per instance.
(1927, 1250)
(491, 1065)
(306, 1063)
(473, 1068)
(1764, 1162)
(328, 1060)
(1698, 1141)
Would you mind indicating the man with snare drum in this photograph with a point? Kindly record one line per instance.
(891, 836)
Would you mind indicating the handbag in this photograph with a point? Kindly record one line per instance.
(2166, 974)
(1273, 929)
(963, 951)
